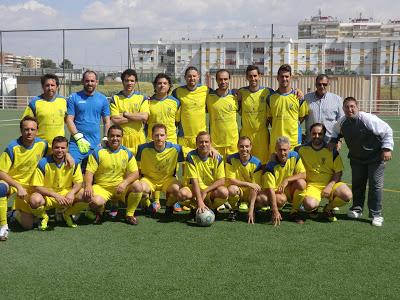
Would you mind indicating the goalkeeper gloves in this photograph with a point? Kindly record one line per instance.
(83, 144)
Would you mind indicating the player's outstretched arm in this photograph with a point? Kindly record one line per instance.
(199, 194)
(276, 216)
(253, 197)
(88, 190)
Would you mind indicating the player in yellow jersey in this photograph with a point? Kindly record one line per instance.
(253, 111)
(283, 180)
(243, 174)
(324, 170)
(17, 164)
(49, 109)
(109, 175)
(55, 184)
(222, 107)
(206, 175)
(286, 110)
(164, 109)
(192, 118)
(130, 110)
(157, 161)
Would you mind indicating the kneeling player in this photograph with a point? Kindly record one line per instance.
(112, 169)
(206, 175)
(283, 180)
(243, 173)
(17, 164)
(158, 161)
(55, 184)
(324, 170)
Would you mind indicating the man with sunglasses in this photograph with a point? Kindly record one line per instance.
(324, 107)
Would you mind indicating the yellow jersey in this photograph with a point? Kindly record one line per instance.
(249, 171)
(159, 166)
(285, 110)
(56, 177)
(253, 110)
(111, 167)
(274, 172)
(222, 117)
(20, 162)
(50, 115)
(192, 118)
(320, 164)
(164, 111)
(206, 171)
(134, 103)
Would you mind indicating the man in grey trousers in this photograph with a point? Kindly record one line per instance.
(370, 143)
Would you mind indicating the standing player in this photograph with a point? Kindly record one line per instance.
(17, 164)
(324, 170)
(222, 107)
(49, 109)
(84, 110)
(157, 161)
(324, 107)
(110, 172)
(253, 110)
(370, 143)
(285, 110)
(283, 180)
(130, 110)
(55, 184)
(164, 109)
(192, 119)
(206, 175)
(243, 173)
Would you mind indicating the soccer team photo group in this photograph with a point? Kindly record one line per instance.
(206, 152)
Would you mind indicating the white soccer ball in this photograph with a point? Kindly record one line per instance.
(205, 218)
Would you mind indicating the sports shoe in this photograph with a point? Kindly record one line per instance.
(90, 215)
(336, 209)
(329, 214)
(177, 207)
(313, 214)
(4, 233)
(131, 220)
(113, 213)
(68, 220)
(295, 217)
(354, 214)
(43, 223)
(243, 207)
(232, 216)
(221, 208)
(155, 206)
(377, 221)
(265, 208)
(98, 219)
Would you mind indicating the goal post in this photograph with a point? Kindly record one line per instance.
(384, 94)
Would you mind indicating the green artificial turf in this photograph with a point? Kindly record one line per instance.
(161, 259)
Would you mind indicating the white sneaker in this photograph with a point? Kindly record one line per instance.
(354, 214)
(336, 209)
(377, 221)
(4, 233)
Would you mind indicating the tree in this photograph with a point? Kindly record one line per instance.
(68, 64)
(47, 63)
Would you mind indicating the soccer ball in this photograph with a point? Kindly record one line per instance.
(205, 218)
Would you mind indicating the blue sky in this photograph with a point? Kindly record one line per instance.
(153, 19)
